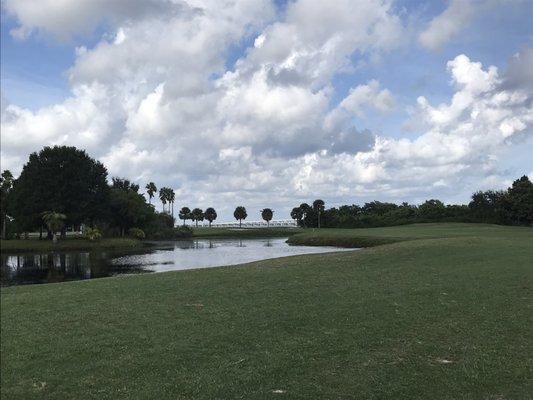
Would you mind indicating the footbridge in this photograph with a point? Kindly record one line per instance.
(285, 223)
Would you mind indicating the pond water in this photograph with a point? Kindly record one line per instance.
(29, 268)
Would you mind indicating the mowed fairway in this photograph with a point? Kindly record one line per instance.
(445, 315)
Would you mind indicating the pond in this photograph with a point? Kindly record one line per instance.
(30, 268)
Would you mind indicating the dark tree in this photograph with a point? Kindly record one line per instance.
(240, 214)
(63, 179)
(520, 202)
(124, 184)
(129, 210)
(432, 210)
(197, 215)
(267, 215)
(297, 214)
(6, 184)
(151, 190)
(210, 215)
(318, 208)
(184, 214)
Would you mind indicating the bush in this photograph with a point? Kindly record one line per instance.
(183, 232)
(136, 233)
(92, 234)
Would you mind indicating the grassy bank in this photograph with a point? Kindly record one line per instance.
(36, 245)
(433, 318)
(245, 232)
(371, 237)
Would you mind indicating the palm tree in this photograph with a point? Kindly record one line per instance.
(210, 215)
(240, 214)
(318, 206)
(184, 214)
(54, 221)
(297, 214)
(163, 196)
(305, 210)
(267, 215)
(197, 215)
(171, 198)
(151, 189)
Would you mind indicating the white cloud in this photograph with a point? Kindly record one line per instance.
(155, 100)
(449, 24)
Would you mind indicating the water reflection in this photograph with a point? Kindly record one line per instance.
(163, 256)
(19, 269)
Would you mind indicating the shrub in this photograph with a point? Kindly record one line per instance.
(136, 233)
(183, 232)
(92, 234)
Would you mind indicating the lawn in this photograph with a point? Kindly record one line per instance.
(445, 316)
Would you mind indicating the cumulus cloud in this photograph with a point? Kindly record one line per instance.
(449, 24)
(155, 100)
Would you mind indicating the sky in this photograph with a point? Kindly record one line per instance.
(272, 103)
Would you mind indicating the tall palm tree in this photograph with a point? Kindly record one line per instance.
(318, 207)
(197, 215)
(267, 215)
(54, 221)
(171, 198)
(210, 215)
(240, 214)
(184, 214)
(151, 189)
(163, 196)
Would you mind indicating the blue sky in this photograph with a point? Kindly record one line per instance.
(109, 111)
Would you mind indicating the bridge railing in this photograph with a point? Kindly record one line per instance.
(285, 223)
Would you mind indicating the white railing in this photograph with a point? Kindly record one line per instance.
(286, 223)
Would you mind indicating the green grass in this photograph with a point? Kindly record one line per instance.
(245, 232)
(31, 245)
(432, 318)
(377, 236)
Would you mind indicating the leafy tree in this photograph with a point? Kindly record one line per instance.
(6, 184)
(240, 214)
(124, 184)
(184, 214)
(488, 206)
(129, 209)
(297, 214)
(197, 215)
(210, 215)
(318, 207)
(151, 189)
(520, 201)
(63, 179)
(54, 221)
(432, 210)
(267, 215)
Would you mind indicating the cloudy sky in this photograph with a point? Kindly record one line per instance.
(271, 103)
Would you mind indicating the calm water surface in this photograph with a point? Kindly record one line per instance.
(31, 268)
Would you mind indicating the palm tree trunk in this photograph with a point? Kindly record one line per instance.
(240, 223)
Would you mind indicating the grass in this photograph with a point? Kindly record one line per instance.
(440, 317)
(31, 245)
(245, 232)
(371, 237)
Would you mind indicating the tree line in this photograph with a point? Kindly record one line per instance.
(513, 206)
(61, 187)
